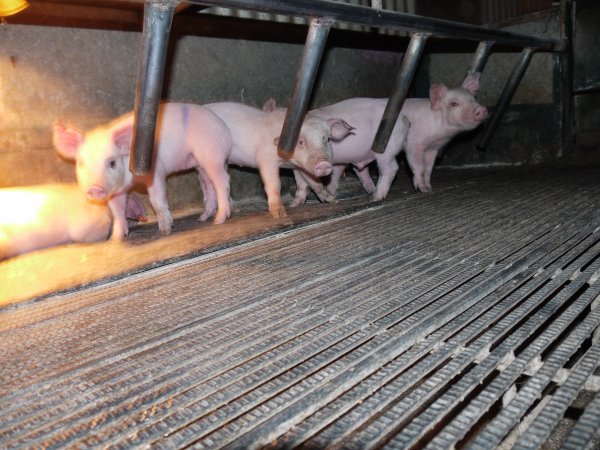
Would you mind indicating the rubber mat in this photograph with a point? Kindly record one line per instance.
(464, 318)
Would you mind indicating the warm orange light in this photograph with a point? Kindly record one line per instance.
(10, 7)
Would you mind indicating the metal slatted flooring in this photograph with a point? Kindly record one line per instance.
(465, 318)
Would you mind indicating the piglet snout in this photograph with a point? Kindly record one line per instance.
(96, 193)
(323, 168)
(480, 113)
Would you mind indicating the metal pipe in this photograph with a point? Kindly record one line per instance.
(399, 92)
(305, 78)
(381, 18)
(158, 15)
(509, 89)
(480, 57)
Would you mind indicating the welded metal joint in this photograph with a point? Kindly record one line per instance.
(400, 90)
(305, 78)
(507, 93)
(158, 16)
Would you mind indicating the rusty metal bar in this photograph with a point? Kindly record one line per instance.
(399, 92)
(509, 89)
(158, 15)
(305, 78)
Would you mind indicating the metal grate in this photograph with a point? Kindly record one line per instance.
(467, 317)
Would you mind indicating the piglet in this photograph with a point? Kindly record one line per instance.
(187, 136)
(43, 216)
(433, 123)
(255, 136)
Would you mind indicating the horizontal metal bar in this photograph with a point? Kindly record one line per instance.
(364, 15)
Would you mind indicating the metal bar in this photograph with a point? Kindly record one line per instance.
(305, 78)
(158, 15)
(480, 57)
(509, 89)
(565, 64)
(365, 15)
(400, 90)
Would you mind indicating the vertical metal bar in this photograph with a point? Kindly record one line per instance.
(400, 90)
(480, 57)
(565, 70)
(509, 89)
(305, 78)
(158, 15)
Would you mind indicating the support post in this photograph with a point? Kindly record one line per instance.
(158, 15)
(509, 89)
(566, 89)
(400, 90)
(480, 57)
(305, 78)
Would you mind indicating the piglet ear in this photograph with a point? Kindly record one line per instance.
(471, 82)
(339, 128)
(66, 141)
(269, 105)
(437, 92)
(122, 135)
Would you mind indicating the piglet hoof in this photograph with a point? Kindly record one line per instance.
(296, 202)
(118, 237)
(422, 187)
(166, 231)
(277, 212)
(221, 217)
(204, 216)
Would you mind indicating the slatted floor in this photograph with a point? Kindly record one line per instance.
(463, 318)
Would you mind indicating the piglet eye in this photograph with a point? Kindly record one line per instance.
(454, 104)
(301, 142)
(329, 139)
(112, 163)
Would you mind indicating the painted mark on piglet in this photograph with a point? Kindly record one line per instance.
(185, 118)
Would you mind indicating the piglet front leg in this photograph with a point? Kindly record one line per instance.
(157, 193)
(118, 209)
(269, 172)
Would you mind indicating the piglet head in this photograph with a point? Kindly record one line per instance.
(313, 152)
(458, 106)
(101, 155)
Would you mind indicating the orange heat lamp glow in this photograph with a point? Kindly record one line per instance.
(10, 7)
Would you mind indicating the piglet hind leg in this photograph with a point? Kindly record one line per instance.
(430, 157)
(209, 196)
(218, 177)
(365, 179)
